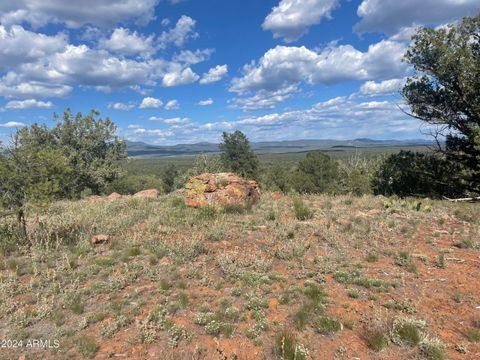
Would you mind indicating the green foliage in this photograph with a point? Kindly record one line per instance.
(87, 347)
(202, 163)
(356, 174)
(237, 155)
(326, 325)
(131, 184)
(28, 175)
(276, 178)
(415, 174)
(302, 211)
(443, 92)
(287, 347)
(317, 173)
(88, 144)
(168, 178)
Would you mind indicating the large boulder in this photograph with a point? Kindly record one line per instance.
(220, 190)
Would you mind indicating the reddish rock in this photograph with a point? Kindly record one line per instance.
(220, 190)
(276, 195)
(95, 198)
(100, 239)
(148, 194)
(114, 196)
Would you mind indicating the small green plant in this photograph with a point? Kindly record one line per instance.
(433, 349)
(302, 316)
(326, 325)
(406, 306)
(441, 262)
(371, 257)
(287, 347)
(407, 330)
(271, 215)
(353, 293)
(87, 347)
(302, 211)
(473, 334)
(376, 339)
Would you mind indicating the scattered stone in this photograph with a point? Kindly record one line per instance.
(220, 190)
(100, 239)
(114, 196)
(95, 198)
(148, 194)
(276, 195)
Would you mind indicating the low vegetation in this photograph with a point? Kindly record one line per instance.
(174, 279)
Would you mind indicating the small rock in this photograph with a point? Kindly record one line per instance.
(114, 196)
(276, 195)
(100, 239)
(95, 198)
(148, 194)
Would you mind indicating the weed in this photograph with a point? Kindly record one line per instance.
(440, 261)
(376, 338)
(87, 347)
(287, 347)
(353, 293)
(406, 306)
(433, 349)
(371, 257)
(326, 325)
(407, 330)
(302, 211)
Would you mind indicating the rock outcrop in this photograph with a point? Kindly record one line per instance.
(114, 196)
(148, 194)
(220, 190)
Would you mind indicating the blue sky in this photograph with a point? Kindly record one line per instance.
(184, 71)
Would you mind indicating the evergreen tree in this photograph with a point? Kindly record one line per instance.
(237, 155)
(444, 92)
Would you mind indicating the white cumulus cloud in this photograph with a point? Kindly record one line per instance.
(121, 106)
(172, 105)
(292, 18)
(27, 104)
(281, 70)
(382, 88)
(151, 103)
(206, 102)
(214, 74)
(183, 31)
(179, 77)
(390, 16)
(12, 124)
(123, 41)
(104, 13)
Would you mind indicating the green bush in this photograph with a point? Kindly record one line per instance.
(317, 173)
(302, 211)
(131, 184)
(416, 174)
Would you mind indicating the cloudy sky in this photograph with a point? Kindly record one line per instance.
(183, 71)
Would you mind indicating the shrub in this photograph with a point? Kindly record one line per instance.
(433, 349)
(316, 173)
(131, 184)
(302, 211)
(287, 347)
(326, 325)
(416, 174)
(87, 347)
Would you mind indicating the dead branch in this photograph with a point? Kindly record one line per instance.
(471, 199)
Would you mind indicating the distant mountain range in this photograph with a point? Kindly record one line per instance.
(141, 149)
